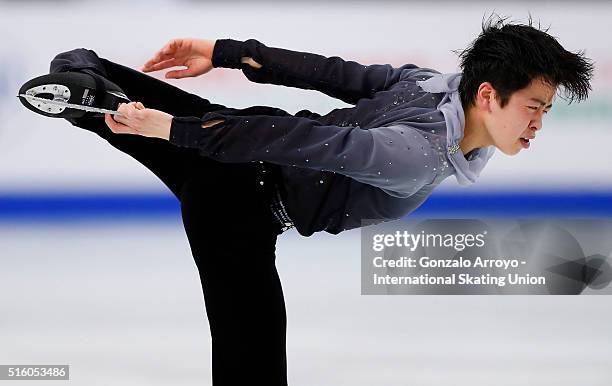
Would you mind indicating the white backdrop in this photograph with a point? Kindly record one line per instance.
(46, 154)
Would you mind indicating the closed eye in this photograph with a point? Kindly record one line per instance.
(536, 108)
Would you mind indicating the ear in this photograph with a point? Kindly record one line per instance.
(485, 96)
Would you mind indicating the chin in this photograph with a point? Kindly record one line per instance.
(513, 150)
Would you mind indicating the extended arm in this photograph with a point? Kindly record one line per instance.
(398, 159)
(348, 81)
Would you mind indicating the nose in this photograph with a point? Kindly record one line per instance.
(536, 124)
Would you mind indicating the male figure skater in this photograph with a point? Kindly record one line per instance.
(243, 176)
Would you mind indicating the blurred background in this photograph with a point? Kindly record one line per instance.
(96, 271)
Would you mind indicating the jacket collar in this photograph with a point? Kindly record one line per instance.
(466, 171)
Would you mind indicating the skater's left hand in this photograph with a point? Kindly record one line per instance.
(137, 119)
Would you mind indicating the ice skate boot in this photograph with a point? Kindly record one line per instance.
(72, 94)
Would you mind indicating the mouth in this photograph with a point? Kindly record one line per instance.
(524, 142)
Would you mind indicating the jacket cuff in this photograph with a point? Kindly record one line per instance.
(227, 53)
(185, 131)
(188, 131)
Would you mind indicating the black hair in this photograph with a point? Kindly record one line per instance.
(510, 56)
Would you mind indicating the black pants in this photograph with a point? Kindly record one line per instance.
(230, 228)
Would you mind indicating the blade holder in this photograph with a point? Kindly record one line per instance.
(59, 92)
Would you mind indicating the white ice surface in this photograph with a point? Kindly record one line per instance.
(122, 304)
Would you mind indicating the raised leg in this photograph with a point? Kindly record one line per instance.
(169, 163)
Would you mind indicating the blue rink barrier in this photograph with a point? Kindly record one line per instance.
(92, 206)
(519, 204)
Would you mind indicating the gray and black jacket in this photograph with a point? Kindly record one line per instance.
(377, 160)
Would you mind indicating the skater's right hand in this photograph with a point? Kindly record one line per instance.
(195, 54)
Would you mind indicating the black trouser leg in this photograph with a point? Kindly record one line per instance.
(229, 227)
(234, 250)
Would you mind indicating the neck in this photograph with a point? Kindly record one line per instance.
(475, 134)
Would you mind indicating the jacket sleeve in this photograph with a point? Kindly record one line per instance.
(397, 159)
(348, 81)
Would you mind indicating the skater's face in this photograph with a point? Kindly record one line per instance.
(512, 127)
